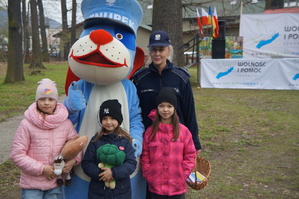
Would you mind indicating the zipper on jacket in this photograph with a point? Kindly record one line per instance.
(161, 82)
(51, 147)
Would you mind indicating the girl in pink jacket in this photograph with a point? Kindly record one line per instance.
(38, 139)
(168, 152)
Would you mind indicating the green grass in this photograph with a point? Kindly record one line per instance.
(15, 98)
(9, 179)
(251, 137)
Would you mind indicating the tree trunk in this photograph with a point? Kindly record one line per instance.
(65, 40)
(15, 72)
(168, 17)
(36, 61)
(267, 6)
(26, 39)
(74, 16)
(45, 52)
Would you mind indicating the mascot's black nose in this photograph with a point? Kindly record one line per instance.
(100, 37)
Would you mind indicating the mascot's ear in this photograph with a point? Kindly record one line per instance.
(138, 61)
(70, 77)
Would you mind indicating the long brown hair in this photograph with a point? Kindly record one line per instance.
(175, 126)
(120, 132)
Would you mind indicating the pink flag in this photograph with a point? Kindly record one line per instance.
(199, 23)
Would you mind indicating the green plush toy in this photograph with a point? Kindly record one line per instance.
(110, 156)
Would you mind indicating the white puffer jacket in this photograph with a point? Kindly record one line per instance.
(37, 141)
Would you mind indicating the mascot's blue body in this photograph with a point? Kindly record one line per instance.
(101, 61)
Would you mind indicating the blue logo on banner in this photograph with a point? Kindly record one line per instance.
(268, 41)
(221, 74)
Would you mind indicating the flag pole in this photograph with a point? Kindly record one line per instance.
(241, 9)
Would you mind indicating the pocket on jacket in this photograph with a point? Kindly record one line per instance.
(122, 187)
(155, 150)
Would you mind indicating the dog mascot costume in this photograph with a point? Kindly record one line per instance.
(100, 64)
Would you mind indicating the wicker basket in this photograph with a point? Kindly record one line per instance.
(203, 166)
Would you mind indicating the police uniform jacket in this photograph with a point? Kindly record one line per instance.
(148, 82)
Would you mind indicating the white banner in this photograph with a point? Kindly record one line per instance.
(250, 74)
(270, 35)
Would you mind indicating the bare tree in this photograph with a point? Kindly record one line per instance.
(73, 27)
(168, 17)
(36, 61)
(15, 71)
(26, 32)
(43, 31)
(65, 40)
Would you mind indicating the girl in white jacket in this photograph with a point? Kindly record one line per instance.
(38, 139)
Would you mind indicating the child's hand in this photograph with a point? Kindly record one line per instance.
(106, 175)
(49, 172)
(68, 166)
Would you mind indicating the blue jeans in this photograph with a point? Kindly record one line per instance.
(55, 193)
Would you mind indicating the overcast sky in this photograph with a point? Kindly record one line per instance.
(52, 9)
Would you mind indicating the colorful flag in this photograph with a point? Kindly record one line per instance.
(215, 24)
(199, 23)
(205, 19)
(210, 15)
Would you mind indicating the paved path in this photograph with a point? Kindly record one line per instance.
(7, 131)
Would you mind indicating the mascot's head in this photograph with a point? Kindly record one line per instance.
(106, 51)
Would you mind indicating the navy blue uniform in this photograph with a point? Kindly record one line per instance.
(148, 82)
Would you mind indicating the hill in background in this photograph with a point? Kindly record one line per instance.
(53, 24)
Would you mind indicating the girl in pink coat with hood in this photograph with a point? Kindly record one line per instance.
(168, 153)
(38, 139)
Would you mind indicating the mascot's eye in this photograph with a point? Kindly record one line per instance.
(119, 36)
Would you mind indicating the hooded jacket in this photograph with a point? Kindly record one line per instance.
(149, 81)
(37, 142)
(166, 164)
(120, 173)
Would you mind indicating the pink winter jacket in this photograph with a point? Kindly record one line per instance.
(37, 141)
(166, 164)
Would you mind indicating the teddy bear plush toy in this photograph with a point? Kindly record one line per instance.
(69, 151)
(110, 156)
